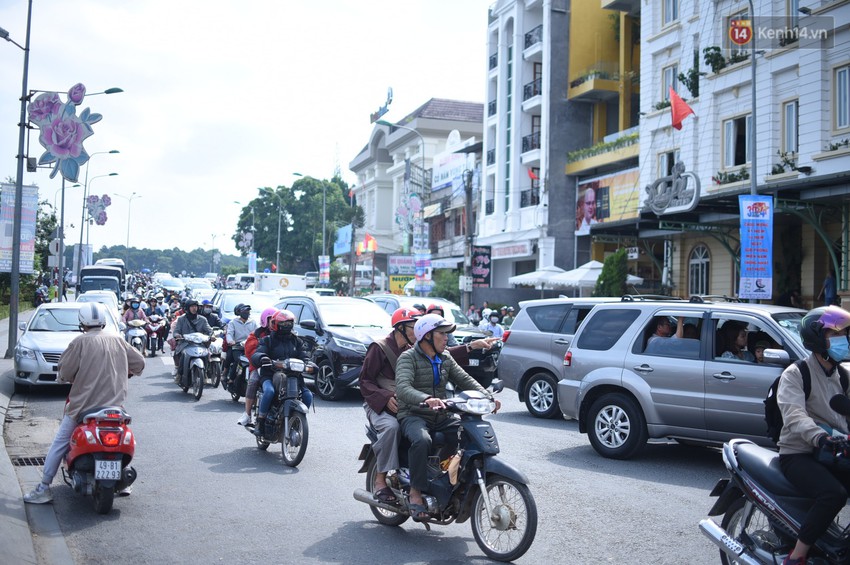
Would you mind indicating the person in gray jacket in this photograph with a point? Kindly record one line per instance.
(189, 322)
(809, 422)
(421, 376)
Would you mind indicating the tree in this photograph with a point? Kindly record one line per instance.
(612, 280)
(446, 285)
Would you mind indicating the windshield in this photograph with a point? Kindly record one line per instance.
(258, 302)
(60, 320)
(790, 324)
(355, 313)
(171, 283)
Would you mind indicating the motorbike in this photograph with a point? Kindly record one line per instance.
(136, 334)
(472, 483)
(286, 421)
(98, 462)
(214, 366)
(762, 511)
(239, 385)
(192, 370)
(155, 329)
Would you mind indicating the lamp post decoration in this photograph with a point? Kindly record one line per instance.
(62, 132)
(96, 206)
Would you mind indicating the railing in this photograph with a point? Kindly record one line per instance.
(534, 36)
(530, 197)
(531, 141)
(603, 147)
(491, 156)
(602, 70)
(494, 60)
(491, 108)
(489, 207)
(533, 88)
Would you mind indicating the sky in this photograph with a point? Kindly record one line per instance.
(222, 97)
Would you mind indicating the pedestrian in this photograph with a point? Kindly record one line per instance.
(53, 290)
(507, 316)
(827, 291)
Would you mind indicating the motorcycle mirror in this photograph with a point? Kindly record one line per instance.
(498, 385)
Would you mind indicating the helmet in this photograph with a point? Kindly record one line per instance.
(242, 309)
(432, 307)
(190, 302)
(404, 315)
(281, 321)
(205, 302)
(267, 313)
(430, 322)
(92, 314)
(813, 324)
(420, 307)
(510, 308)
(159, 295)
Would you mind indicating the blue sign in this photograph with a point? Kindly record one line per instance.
(756, 247)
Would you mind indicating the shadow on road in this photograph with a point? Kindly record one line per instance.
(249, 459)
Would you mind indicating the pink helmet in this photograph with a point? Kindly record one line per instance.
(267, 313)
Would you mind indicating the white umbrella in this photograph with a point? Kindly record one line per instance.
(586, 276)
(538, 278)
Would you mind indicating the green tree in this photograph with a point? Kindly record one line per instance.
(612, 280)
(446, 284)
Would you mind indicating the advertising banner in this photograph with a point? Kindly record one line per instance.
(449, 167)
(324, 270)
(252, 262)
(342, 244)
(29, 208)
(609, 198)
(481, 266)
(756, 246)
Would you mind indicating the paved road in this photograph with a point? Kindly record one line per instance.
(205, 494)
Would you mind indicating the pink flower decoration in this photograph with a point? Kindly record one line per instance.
(43, 109)
(64, 137)
(77, 93)
(93, 198)
(101, 219)
(106, 200)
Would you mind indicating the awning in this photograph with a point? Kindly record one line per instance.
(432, 210)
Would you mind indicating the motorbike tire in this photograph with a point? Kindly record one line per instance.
(514, 507)
(103, 498)
(740, 521)
(197, 382)
(262, 444)
(326, 386)
(140, 347)
(215, 374)
(616, 426)
(541, 395)
(293, 446)
(385, 517)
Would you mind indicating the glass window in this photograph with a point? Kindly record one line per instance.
(789, 126)
(605, 328)
(666, 161)
(548, 318)
(669, 77)
(698, 270)
(842, 98)
(736, 141)
(670, 11)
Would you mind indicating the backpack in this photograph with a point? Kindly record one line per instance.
(772, 414)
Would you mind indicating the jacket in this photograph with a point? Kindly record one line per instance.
(278, 349)
(237, 330)
(184, 326)
(414, 379)
(97, 364)
(252, 343)
(802, 418)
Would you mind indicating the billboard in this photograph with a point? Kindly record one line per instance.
(29, 207)
(481, 266)
(609, 198)
(756, 246)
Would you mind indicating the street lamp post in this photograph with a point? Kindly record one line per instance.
(129, 200)
(212, 257)
(279, 216)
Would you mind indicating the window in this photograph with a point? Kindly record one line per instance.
(733, 48)
(666, 161)
(669, 77)
(793, 13)
(736, 141)
(789, 126)
(842, 97)
(548, 318)
(606, 328)
(698, 270)
(669, 11)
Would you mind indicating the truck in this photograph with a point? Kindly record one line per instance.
(99, 282)
(101, 270)
(279, 281)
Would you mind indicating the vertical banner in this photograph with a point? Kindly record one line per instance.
(423, 272)
(7, 219)
(481, 266)
(756, 247)
(252, 262)
(324, 270)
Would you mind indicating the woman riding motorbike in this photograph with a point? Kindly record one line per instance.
(251, 345)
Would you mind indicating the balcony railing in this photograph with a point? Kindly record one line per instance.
(603, 147)
(534, 36)
(494, 60)
(491, 108)
(532, 89)
(491, 156)
(530, 197)
(489, 207)
(530, 142)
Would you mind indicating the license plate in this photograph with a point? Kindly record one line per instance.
(473, 362)
(107, 470)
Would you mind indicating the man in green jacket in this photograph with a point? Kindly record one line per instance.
(421, 376)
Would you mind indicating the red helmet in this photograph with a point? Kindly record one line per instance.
(432, 307)
(404, 315)
(281, 320)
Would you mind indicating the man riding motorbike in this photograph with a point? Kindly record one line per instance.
(238, 329)
(421, 376)
(207, 312)
(189, 322)
(251, 345)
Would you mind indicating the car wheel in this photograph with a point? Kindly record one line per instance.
(541, 395)
(326, 385)
(616, 426)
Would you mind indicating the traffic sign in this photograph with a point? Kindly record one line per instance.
(54, 246)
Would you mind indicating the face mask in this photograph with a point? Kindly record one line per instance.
(244, 315)
(207, 310)
(839, 348)
(134, 305)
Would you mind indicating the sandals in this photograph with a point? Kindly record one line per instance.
(418, 512)
(385, 495)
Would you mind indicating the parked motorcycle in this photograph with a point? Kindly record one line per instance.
(155, 329)
(286, 421)
(762, 511)
(214, 366)
(239, 385)
(136, 334)
(473, 483)
(192, 369)
(98, 462)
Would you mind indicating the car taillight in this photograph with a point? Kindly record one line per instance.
(505, 336)
(568, 359)
(110, 439)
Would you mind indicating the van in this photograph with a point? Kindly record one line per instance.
(100, 270)
(363, 277)
(96, 282)
(242, 280)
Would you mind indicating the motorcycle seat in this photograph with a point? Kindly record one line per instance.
(763, 465)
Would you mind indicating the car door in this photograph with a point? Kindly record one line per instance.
(735, 389)
(547, 347)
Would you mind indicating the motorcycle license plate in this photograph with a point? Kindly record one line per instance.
(107, 470)
(474, 362)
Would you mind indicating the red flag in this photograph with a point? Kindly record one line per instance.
(531, 175)
(274, 268)
(369, 243)
(679, 109)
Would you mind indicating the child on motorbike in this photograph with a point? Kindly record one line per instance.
(251, 345)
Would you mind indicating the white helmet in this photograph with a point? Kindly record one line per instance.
(430, 322)
(92, 314)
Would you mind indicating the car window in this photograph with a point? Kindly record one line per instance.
(789, 323)
(737, 338)
(547, 318)
(296, 310)
(604, 329)
(356, 313)
(574, 318)
(671, 344)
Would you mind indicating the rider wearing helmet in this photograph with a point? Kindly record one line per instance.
(251, 345)
(440, 311)
(134, 312)
(281, 343)
(493, 327)
(809, 420)
(238, 329)
(207, 312)
(189, 322)
(421, 376)
(96, 364)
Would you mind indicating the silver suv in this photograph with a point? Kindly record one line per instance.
(533, 354)
(625, 386)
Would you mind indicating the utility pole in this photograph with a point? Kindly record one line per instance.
(470, 236)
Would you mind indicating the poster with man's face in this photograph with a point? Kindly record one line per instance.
(609, 198)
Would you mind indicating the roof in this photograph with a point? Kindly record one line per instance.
(444, 109)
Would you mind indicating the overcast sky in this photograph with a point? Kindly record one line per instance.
(222, 97)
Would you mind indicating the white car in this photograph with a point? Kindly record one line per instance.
(107, 298)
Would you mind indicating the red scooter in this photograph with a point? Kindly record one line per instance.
(98, 463)
(156, 330)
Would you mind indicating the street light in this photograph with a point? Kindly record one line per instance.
(324, 212)
(129, 200)
(212, 258)
(268, 190)
(253, 222)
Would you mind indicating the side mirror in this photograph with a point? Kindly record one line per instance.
(22, 326)
(777, 357)
(312, 326)
(122, 326)
(498, 385)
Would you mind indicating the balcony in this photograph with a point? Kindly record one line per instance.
(599, 83)
(530, 197)
(532, 89)
(630, 6)
(491, 157)
(616, 148)
(491, 108)
(494, 61)
(531, 142)
(534, 36)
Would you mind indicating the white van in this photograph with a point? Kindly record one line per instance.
(241, 280)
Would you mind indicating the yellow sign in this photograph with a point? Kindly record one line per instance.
(397, 283)
(283, 282)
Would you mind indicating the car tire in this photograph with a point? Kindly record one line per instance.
(325, 382)
(616, 426)
(541, 395)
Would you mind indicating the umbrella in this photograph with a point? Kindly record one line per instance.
(586, 276)
(539, 278)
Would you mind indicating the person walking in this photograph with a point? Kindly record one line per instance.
(827, 291)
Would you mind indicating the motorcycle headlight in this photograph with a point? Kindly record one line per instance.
(352, 345)
(480, 406)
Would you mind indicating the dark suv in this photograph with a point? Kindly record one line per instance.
(338, 330)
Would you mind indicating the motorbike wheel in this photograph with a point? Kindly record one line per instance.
(294, 445)
(508, 532)
(103, 498)
(744, 523)
(262, 444)
(197, 382)
(215, 374)
(616, 426)
(140, 346)
(383, 516)
(326, 383)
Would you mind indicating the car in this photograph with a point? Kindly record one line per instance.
(225, 301)
(106, 297)
(172, 285)
(321, 291)
(311, 278)
(626, 387)
(45, 337)
(337, 330)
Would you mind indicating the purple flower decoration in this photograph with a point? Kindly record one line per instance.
(63, 137)
(44, 108)
(101, 219)
(106, 200)
(77, 93)
(93, 198)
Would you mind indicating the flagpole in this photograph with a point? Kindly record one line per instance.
(753, 187)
